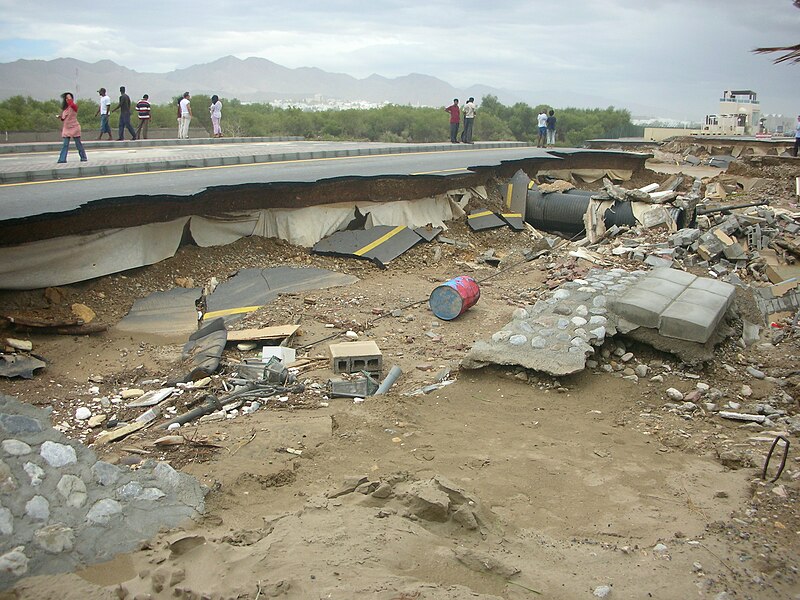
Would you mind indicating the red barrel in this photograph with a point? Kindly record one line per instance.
(454, 297)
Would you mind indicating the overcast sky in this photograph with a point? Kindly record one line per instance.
(666, 58)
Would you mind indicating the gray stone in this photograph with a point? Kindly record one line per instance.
(582, 311)
(150, 494)
(73, 490)
(35, 472)
(130, 491)
(660, 549)
(755, 373)
(539, 342)
(579, 321)
(14, 562)
(55, 539)
(16, 447)
(641, 370)
(58, 455)
(38, 508)
(168, 476)
(518, 340)
(16, 424)
(562, 324)
(561, 294)
(103, 511)
(501, 336)
(6, 521)
(627, 357)
(562, 309)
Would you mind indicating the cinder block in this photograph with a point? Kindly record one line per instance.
(352, 357)
(691, 322)
(641, 307)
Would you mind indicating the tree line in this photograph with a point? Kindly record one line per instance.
(390, 123)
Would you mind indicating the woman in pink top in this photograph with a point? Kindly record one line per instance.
(71, 128)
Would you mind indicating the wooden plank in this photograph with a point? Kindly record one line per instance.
(266, 333)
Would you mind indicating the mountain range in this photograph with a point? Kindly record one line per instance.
(257, 80)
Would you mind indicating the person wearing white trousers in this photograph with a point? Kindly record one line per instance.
(216, 115)
(186, 117)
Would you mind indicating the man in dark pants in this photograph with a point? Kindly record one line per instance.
(124, 107)
(469, 120)
(455, 120)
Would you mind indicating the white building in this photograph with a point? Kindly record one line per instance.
(739, 114)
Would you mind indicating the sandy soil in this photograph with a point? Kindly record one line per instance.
(504, 484)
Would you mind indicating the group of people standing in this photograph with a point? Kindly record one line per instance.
(71, 128)
(546, 122)
(455, 120)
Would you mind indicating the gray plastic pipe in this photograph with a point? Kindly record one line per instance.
(394, 373)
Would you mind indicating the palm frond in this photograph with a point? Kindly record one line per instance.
(792, 52)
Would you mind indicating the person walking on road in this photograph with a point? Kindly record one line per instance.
(469, 120)
(216, 114)
(455, 120)
(143, 111)
(186, 116)
(124, 107)
(541, 120)
(551, 128)
(70, 128)
(104, 110)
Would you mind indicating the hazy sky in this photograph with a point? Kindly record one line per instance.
(665, 57)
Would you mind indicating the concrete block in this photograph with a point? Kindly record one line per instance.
(720, 288)
(642, 307)
(703, 298)
(691, 322)
(352, 357)
(673, 275)
(662, 287)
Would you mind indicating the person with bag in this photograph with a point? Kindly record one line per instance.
(70, 128)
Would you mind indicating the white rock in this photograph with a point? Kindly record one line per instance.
(246, 346)
(55, 539)
(14, 562)
(58, 455)
(6, 522)
(131, 393)
(24, 345)
(703, 387)
(602, 591)
(674, 394)
(16, 447)
(351, 335)
(579, 321)
(83, 413)
(35, 472)
(103, 510)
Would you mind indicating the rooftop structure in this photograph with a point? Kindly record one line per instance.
(739, 114)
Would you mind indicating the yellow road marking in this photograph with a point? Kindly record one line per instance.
(379, 241)
(442, 170)
(508, 195)
(230, 311)
(480, 214)
(256, 164)
(511, 215)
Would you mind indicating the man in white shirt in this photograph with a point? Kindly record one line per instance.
(542, 124)
(186, 116)
(104, 110)
(469, 119)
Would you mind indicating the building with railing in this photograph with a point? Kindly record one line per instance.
(739, 114)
